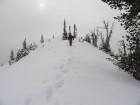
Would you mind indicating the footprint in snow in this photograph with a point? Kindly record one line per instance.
(44, 81)
(61, 66)
(49, 94)
(58, 76)
(69, 63)
(59, 84)
(64, 71)
(28, 101)
(69, 59)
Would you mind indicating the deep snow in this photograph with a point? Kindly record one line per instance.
(58, 74)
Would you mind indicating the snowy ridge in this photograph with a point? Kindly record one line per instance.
(59, 74)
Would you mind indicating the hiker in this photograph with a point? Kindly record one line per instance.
(70, 39)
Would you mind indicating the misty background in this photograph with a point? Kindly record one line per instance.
(20, 19)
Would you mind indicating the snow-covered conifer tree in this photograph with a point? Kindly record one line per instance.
(24, 44)
(64, 31)
(12, 59)
(31, 47)
(42, 41)
(34, 46)
(23, 52)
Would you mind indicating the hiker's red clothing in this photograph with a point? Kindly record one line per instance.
(70, 37)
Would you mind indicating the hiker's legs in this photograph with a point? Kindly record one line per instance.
(70, 42)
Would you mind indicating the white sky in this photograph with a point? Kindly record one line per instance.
(20, 19)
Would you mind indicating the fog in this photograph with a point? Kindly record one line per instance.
(20, 19)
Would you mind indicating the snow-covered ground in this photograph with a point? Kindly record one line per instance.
(59, 74)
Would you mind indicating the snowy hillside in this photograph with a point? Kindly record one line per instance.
(62, 75)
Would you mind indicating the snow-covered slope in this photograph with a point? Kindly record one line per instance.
(62, 75)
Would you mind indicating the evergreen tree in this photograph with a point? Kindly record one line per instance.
(64, 32)
(23, 52)
(34, 46)
(30, 46)
(12, 59)
(42, 39)
(24, 44)
(75, 29)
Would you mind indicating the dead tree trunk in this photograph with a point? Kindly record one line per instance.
(108, 33)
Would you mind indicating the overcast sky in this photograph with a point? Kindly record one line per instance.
(20, 19)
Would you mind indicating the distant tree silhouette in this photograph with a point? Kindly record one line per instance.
(12, 58)
(64, 31)
(42, 39)
(75, 31)
(53, 36)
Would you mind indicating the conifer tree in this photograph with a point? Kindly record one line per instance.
(75, 29)
(12, 59)
(64, 31)
(12, 55)
(31, 47)
(42, 39)
(23, 52)
(24, 44)
(35, 46)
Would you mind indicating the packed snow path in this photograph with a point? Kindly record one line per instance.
(59, 74)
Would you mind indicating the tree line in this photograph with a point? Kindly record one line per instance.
(129, 54)
(129, 18)
(25, 50)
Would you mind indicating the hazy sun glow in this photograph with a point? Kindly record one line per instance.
(41, 5)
